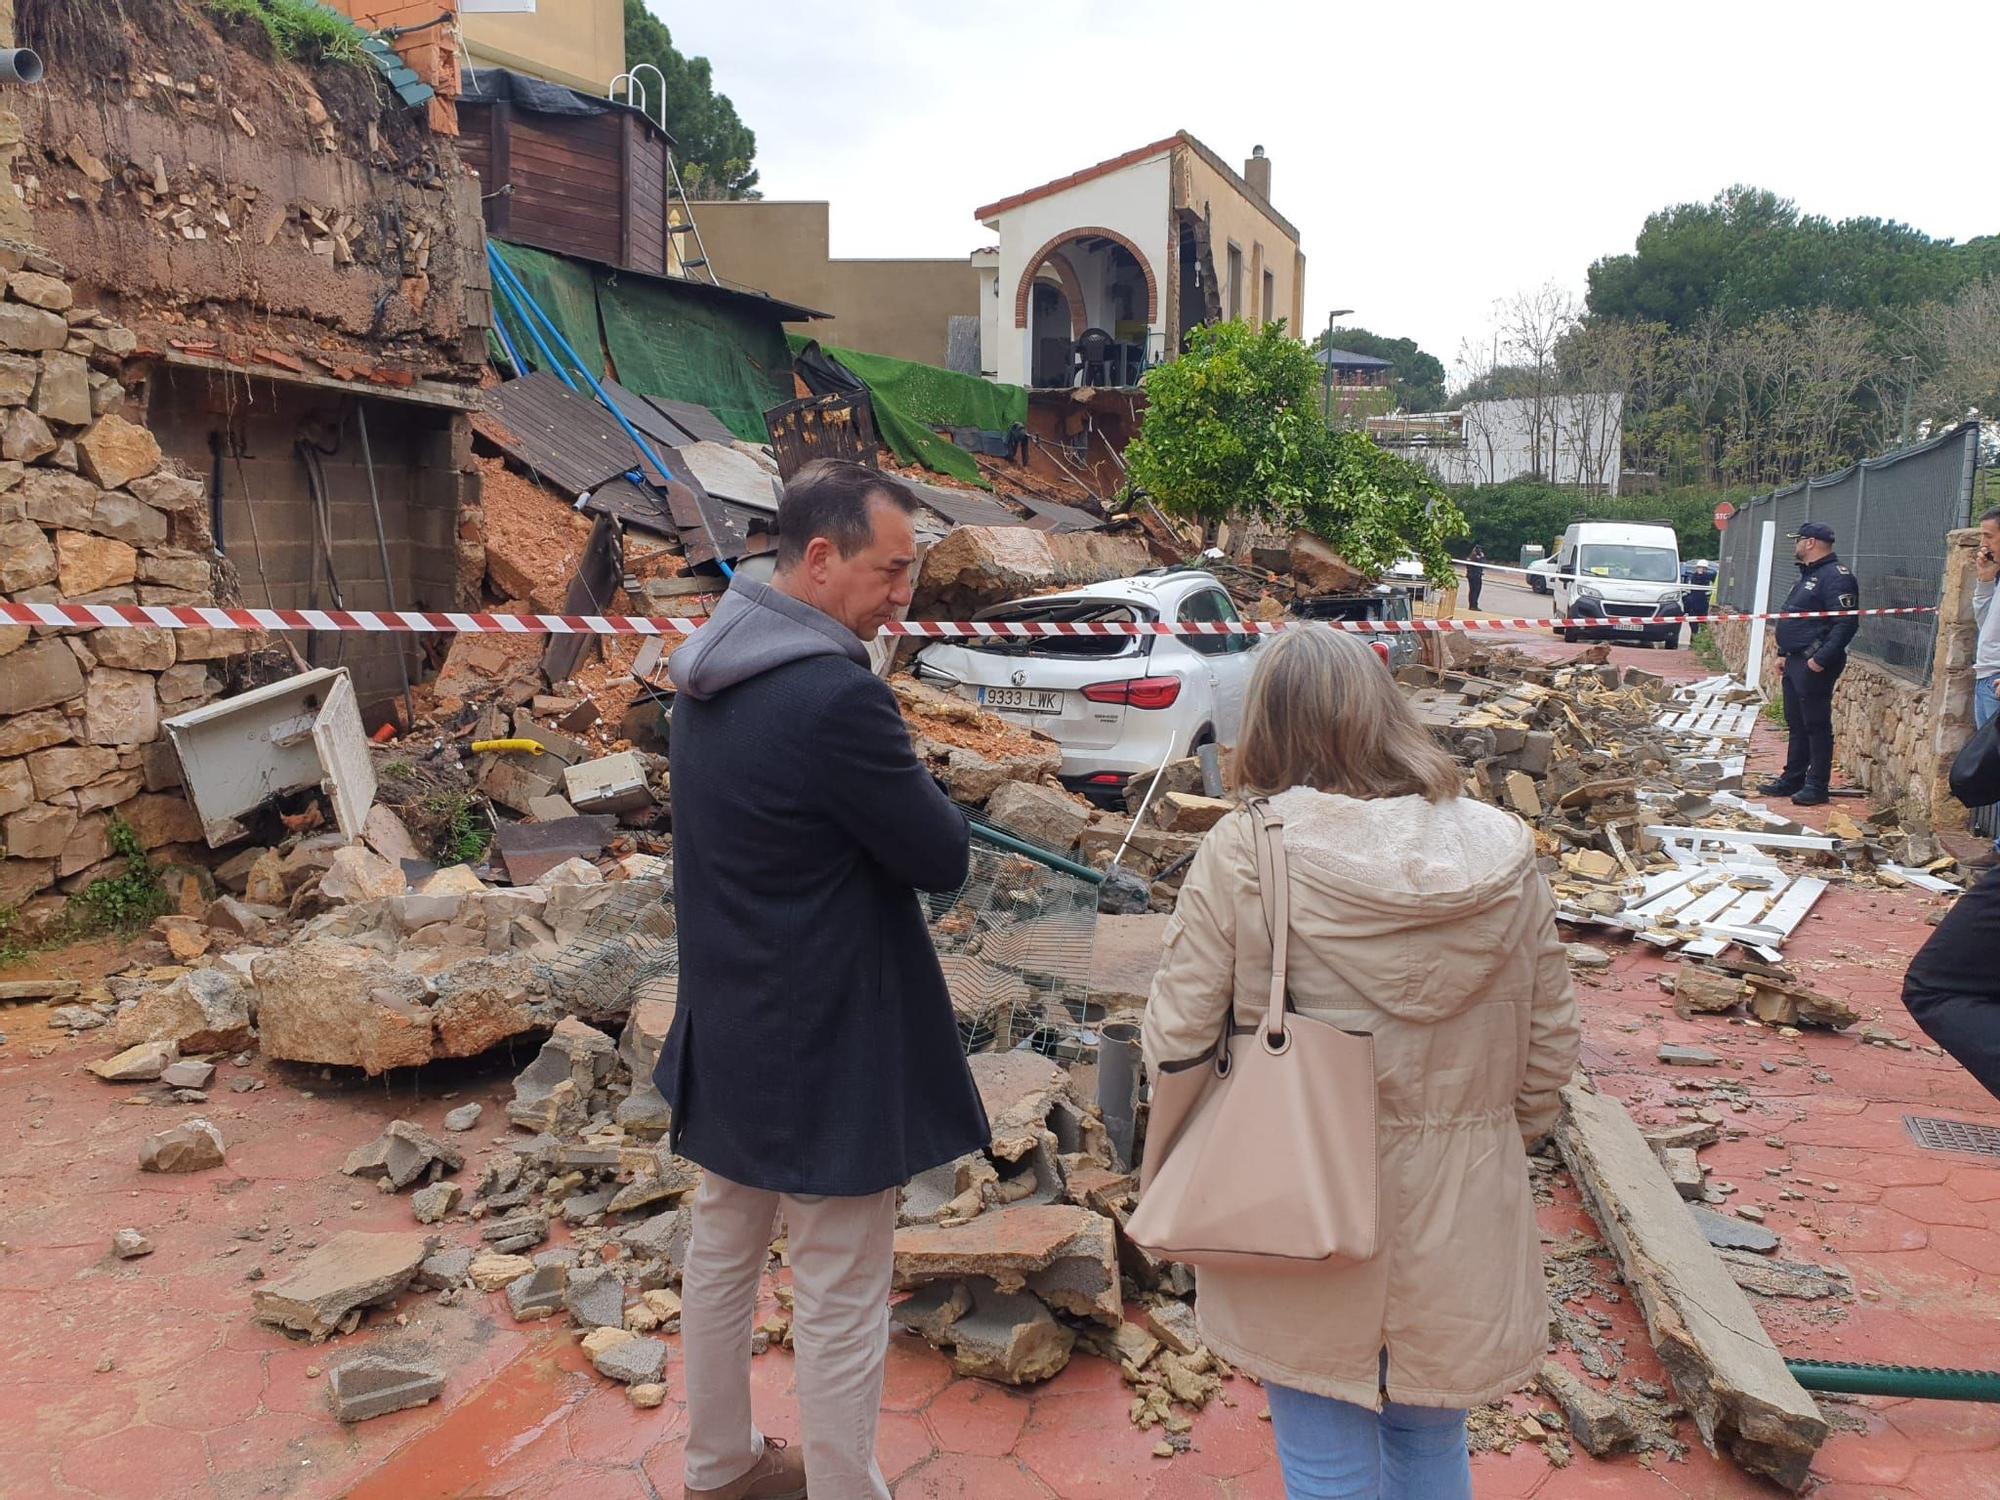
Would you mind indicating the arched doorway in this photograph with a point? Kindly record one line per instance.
(1108, 290)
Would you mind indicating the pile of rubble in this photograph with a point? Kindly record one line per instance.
(1634, 792)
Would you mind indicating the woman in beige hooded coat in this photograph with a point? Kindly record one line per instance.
(1418, 916)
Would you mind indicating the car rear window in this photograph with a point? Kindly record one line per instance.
(1068, 610)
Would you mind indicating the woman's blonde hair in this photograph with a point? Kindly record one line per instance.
(1324, 712)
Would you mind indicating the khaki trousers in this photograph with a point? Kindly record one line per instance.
(842, 1252)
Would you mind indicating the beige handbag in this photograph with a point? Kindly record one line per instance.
(1260, 1153)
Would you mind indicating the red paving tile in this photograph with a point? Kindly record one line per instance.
(200, 1401)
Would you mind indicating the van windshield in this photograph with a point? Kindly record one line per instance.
(1631, 564)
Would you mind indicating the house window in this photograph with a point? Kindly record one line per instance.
(1270, 298)
(1235, 308)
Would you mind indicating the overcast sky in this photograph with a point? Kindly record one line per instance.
(1435, 157)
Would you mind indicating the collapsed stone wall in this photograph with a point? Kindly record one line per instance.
(88, 516)
(1894, 735)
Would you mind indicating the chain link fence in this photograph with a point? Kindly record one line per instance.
(1889, 517)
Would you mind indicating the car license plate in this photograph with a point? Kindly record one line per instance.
(1021, 700)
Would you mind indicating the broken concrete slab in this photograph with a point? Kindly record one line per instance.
(1172, 1322)
(1683, 1170)
(377, 1384)
(1727, 1372)
(352, 1271)
(203, 1010)
(664, 1237)
(188, 1074)
(1688, 1057)
(1783, 1278)
(1189, 812)
(465, 1117)
(492, 1270)
(1018, 1090)
(516, 1233)
(401, 1154)
(1727, 1233)
(1700, 990)
(236, 918)
(356, 874)
(646, 1031)
(435, 1202)
(537, 1294)
(595, 1298)
(1042, 814)
(323, 1001)
(191, 1146)
(1601, 1424)
(931, 1310)
(130, 1244)
(446, 1269)
(629, 1358)
(482, 1002)
(557, 1085)
(1064, 1252)
(141, 1064)
(1008, 1337)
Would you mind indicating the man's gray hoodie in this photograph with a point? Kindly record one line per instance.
(754, 629)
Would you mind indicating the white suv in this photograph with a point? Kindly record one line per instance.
(1116, 703)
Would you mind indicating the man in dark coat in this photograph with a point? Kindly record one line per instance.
(1813, 653)
(1952, 988)
(813, 1065)
(1475, 575)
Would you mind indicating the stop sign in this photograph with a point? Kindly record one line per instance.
(1722, 514)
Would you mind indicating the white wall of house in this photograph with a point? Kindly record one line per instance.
(1134, 201)
(1577, 440)
(990, 320)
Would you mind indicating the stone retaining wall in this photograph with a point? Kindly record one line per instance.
(1894, 736)
(88, 516)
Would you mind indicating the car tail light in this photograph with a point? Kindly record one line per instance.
(1139, 692)
(1381, 650)
(1108, 778)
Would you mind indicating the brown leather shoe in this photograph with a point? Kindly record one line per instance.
(779, 1475)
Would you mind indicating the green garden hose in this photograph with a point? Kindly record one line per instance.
(1896, 1380)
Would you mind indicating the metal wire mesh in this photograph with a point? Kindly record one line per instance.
(1015, 942)
(630, 939)
(1890, 516)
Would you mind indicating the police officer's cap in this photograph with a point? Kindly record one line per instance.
(1817, 531)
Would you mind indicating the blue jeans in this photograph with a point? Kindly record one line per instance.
(1331, 1450)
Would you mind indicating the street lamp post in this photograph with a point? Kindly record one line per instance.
(1326, 413)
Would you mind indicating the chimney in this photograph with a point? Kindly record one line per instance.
(1257, 172)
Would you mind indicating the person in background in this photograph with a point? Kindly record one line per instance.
(1813, 652)
(1418, 916)
(1475, 576)
(1986, 659)
(813, 1065)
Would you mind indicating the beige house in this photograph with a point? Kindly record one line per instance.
(580, 43)
(898, 307)
(1100, 274)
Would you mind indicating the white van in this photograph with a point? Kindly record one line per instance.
(1625, 573)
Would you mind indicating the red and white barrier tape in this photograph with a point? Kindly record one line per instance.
(198, 617)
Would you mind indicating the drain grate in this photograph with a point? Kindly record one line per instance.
(1954, 1135)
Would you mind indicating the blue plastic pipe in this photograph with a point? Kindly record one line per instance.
(518, 298)
(521, 296)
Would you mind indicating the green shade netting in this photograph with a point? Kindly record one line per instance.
(562, 289)
(666, 343)
(911, 399)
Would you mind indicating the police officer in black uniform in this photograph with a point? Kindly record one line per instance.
(1813, 653)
